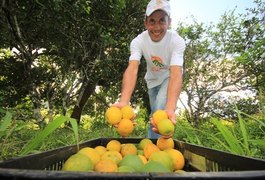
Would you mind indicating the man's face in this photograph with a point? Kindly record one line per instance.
(157, 24)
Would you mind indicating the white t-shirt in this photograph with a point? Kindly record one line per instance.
(159, 56)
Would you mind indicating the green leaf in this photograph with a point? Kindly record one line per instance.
(5, 123)
(57, 122)
(230, 139)
(243, 130)
(258, 142)
(75, 129)
(251, 117)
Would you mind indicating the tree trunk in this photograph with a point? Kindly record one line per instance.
(85, 92)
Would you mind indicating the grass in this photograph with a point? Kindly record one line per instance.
(50, 128)
(245, 136)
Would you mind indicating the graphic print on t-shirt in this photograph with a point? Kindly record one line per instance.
(158, 63)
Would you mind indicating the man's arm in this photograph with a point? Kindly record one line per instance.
(173, 91)
(128, 82)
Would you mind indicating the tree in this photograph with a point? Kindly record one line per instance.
(210, 64)
(252, 55)
(66, 48)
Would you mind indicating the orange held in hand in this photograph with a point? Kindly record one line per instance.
(125, 127)
(165, 127)
(113, 115)
(159, 115)
(127, 112)
(122, 119)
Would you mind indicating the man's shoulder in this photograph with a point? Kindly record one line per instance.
(140, 38)
(174, 37)
(173, 34)
(142, 35)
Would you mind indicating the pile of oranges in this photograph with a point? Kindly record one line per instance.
(122, 118)
(145, 156)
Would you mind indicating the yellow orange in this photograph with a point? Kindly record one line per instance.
(78, 162)
(143, 142)
(143, 158)
(165, 127)
(113, 145)
(125, 127)
(158, 115)
(115, 156)
(106, 165)
(165, 143)
(177, 157)
(91, 153)
(164, 158)
(127, 112)
(149, 149)
(100, 150)
(127, 149)
(113, 115)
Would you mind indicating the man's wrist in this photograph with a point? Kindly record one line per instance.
(170, 109)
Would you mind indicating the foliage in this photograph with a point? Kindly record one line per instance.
(33, 143)
(242, 137)
(5, 124)
(61, 63)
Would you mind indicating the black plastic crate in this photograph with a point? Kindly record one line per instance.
(201, 163)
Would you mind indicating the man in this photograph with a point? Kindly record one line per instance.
(163, 51)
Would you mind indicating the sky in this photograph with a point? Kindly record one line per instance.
(205, 11)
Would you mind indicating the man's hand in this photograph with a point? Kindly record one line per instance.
(171, 115)
(121, 105)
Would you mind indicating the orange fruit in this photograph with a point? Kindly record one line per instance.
(165, 127)
(78, 162)
(153, 166)
(127, 112)
(143, 158)
(133, 161)
(91, 153)
(127, 149)
(164, 158)
(143, 142)
(125, 127)
(158, 115)
(100, 150)
(125, 169)
(113, 115)
(140, 151)
(113, 145)
(177, 158)
(149, 149)
(165, 143)
(106, 165)
(115, 156)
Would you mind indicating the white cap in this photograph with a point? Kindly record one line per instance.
(154, 5)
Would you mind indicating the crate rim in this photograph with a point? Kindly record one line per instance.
(39, 174)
